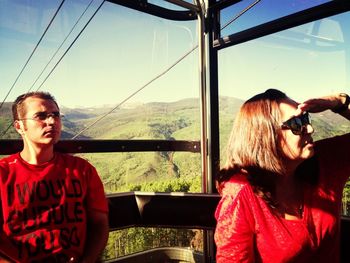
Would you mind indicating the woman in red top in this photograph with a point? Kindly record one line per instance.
(281, 192)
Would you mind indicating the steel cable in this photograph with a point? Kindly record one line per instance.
(31, 55)
(75, 39)
(7, 129)
(47, 64)
(162, 73)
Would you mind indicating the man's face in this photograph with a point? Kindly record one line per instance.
(39, 125)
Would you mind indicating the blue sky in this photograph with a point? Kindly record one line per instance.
(121, 50)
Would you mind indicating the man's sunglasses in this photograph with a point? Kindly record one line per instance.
(43, 116)
(297, 124)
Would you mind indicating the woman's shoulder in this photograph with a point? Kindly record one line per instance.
(236, 184)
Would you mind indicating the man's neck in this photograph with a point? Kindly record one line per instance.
(37, 155)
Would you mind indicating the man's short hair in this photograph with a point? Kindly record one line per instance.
(18, 107)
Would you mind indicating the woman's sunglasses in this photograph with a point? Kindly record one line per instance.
(297, 124)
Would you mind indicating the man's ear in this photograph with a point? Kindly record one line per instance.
(18, 126)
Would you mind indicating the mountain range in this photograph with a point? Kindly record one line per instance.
(178, 120)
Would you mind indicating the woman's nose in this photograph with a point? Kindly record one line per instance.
(309, 129)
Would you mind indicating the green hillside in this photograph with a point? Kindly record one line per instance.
(6, 129)
(148, 121)
(157, 171)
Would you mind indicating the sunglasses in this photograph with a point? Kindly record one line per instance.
(43, 116)
(297, 124)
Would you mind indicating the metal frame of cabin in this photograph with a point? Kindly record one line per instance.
(191, 210)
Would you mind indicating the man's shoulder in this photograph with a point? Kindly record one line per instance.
(8, 159)
(7, 164)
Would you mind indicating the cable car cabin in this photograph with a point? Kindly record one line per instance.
(149, 90)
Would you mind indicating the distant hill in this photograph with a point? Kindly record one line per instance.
(8, 132)
(157, 120)
(5, 110)
(6, 129)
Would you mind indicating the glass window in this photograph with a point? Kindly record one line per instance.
(169, 5)
(116, 72)
(121, 79)
(246, 14)
(305, 61)
(174, 245)
(148, 171)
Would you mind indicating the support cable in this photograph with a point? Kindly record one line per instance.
(145, 85)
(31, 55)
(10, 125)
(52, 57)
(239, 14)
(75, 39)
(137, 91)
(161, 74)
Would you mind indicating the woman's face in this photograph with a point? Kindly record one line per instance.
(296, 146)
